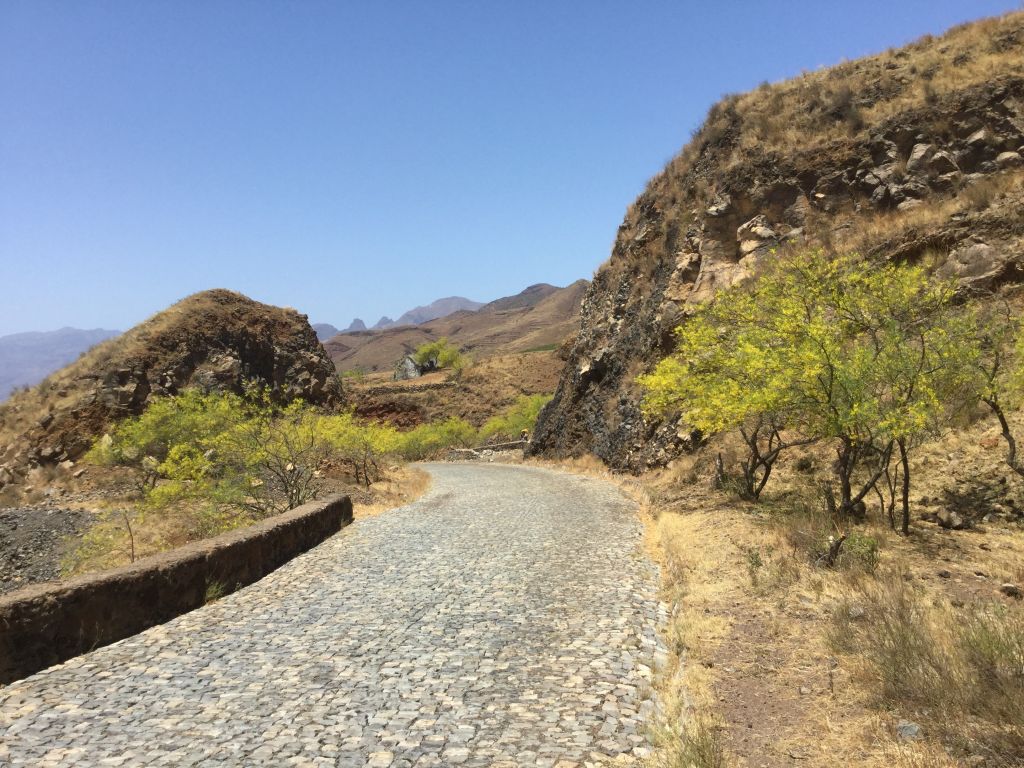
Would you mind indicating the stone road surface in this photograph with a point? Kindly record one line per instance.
(507, 618)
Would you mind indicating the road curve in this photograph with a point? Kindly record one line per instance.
(506, 618)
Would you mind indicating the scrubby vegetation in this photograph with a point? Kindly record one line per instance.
(943, 665)
(517, 419)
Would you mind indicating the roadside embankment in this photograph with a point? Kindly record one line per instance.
(46, 624)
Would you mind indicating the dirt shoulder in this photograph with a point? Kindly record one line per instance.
(778, 661)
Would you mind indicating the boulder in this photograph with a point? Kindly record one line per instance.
(1006, 160)
(407, 369)
(909, 204)
(907, 730)
(979, 139)
(948, 181)
(943, 162)
(947, 518)
(882, 196)
(919, 157)
(869, 181)
(50, 453)
(1011, 590)
(721, 206)
(974, 264)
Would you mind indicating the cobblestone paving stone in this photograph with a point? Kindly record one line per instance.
(508, 618)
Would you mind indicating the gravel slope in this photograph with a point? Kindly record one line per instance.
(32, 543)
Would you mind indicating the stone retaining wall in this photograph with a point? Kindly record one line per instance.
(46, 624)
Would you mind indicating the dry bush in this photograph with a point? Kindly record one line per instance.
(696, 743)
(959, 671)
(812, 532)
(981, 194)
(884, 231)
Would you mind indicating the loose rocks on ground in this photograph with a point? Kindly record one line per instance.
(32, 542)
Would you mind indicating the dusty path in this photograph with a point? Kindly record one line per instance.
(507, 618)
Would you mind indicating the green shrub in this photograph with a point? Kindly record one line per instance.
(860, 551)
(522, 415)
(426, 440)
(359, 444)
(439, 354)
(191, 418)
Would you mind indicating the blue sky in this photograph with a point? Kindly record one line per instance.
(357, 159)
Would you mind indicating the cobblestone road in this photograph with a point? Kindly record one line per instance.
(507, 618)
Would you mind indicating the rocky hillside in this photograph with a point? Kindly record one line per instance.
(914, 154)
(540, 316)
(214, 340)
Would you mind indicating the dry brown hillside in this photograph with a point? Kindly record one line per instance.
(214, 339)
(486, 388)
(540, 316)
(913, 154)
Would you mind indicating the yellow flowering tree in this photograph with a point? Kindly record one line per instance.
(867, 356)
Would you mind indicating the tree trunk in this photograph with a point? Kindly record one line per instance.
(902, 443)
(844, 468)
(1011, 443)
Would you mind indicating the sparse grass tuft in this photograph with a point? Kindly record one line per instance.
(215, 590)
(693, 744)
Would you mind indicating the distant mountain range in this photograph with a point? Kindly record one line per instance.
(436, 309)
(540, 317)
(324, 331)
(28, 358)
(417, 316)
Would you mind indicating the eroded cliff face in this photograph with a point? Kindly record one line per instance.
(214, 340)
(914, 155)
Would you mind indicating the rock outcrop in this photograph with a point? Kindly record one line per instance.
(215, 340)
(871, 156)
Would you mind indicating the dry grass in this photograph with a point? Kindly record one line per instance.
(876, 229)
(958, 671)
(688, 731)
(402, 485)
(830, 105)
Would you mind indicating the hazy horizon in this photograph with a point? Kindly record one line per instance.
(358, 161)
